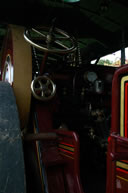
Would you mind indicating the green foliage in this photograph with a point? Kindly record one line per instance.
(103, 62)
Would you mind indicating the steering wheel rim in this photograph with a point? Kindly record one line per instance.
(43, 88)
(50, 37)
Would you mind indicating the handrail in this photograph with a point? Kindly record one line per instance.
(39, 136)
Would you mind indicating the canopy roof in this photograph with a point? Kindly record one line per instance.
(100, 26)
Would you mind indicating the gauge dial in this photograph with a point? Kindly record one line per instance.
(90, 76)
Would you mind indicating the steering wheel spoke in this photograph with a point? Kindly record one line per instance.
(38, 90)
(47, 92)
(62, 38)
(42, 94)
(62, 45)
(39, 33)
(54, 41)
(48, 83)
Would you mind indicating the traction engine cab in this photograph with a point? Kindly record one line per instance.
(73, 116)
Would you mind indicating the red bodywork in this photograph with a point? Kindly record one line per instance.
(117, 156)
(60, 156)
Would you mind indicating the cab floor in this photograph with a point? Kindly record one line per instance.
(94, 181)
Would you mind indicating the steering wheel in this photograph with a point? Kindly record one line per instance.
(52, 40)
(43, 88)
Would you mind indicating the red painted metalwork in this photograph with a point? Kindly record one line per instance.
(72, 172)
(121, 170)
(126, 109)
(65, 151)
(67, 144)
(6, 50)
(116, 97)
(117, 145)
(60, 156)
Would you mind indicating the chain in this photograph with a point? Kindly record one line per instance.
(35, 63)
(79, 55)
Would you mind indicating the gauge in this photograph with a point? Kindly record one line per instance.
(90, 76)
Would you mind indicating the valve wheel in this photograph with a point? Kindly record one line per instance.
(43, 88)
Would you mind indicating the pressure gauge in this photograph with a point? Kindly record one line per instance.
(90, 76)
